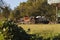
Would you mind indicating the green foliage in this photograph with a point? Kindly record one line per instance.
(35, 8)
(32, 8)
(1, 37)
(16, 14)
(6, 12)
(13, 32)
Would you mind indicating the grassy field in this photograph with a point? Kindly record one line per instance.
(45, 30)
(42, 29)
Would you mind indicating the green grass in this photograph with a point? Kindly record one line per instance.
(42, 27)
(1, 37)
(45, 30)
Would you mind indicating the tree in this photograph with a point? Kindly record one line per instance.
(6, 12)
(5, 9)
(37, 8)
(16, 14)
(48, 11)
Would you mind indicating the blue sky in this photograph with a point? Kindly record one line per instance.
(14, 3)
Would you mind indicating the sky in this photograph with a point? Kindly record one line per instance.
(14, 3)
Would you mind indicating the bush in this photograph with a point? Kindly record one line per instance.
(13, 32)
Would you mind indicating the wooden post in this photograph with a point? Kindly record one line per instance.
(56, 14)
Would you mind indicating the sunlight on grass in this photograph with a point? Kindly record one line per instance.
(46, 30)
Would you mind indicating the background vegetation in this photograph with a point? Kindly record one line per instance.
(30, 8)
